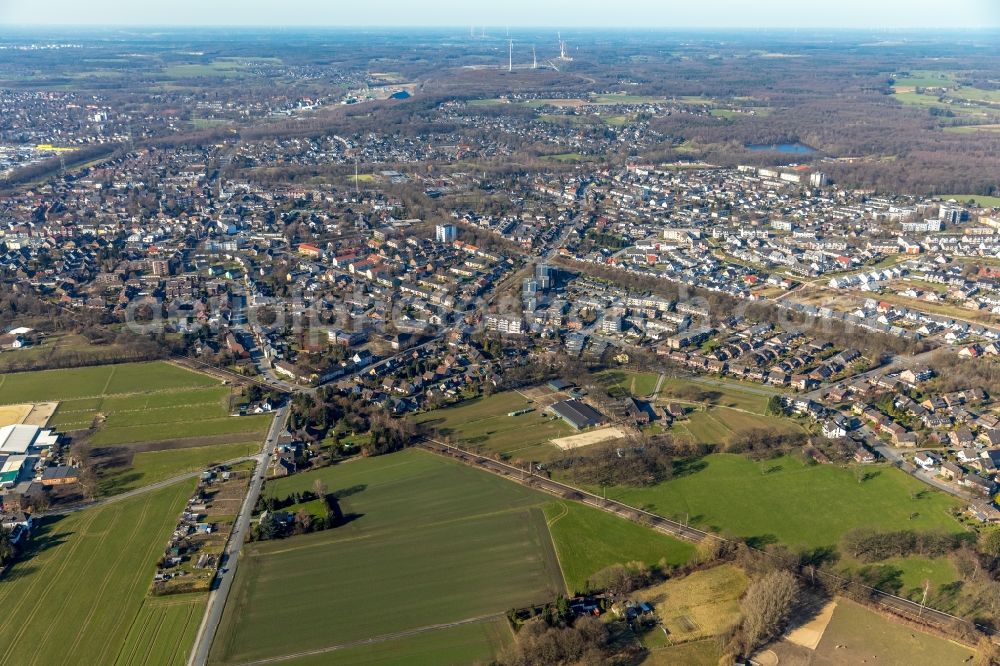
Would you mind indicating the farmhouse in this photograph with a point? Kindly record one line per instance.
(578, 414)
(60, 475)
(11, 341)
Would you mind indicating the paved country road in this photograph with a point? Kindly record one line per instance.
(230, 556)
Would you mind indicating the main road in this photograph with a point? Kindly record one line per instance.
(230, 556)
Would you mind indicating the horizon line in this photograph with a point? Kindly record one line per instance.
(450, 26)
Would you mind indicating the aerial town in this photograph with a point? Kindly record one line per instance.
(682, 373)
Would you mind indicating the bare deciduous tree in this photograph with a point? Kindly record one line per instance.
(766, 606)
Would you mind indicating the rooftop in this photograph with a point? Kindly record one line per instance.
(578, 414)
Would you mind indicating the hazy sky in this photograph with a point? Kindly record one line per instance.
(512, 13)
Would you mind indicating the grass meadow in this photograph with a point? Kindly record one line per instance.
(588, 540)
(483, 423)
(789, 502)
(700, 605)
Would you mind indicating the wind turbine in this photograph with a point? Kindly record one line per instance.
(534, 60)
(562, 49)
(510, 55)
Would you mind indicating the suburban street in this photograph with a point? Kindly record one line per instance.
(230, 557)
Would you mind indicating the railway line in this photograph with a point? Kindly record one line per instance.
(898, 605)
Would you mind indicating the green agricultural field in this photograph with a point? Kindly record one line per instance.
(588, 540)
(82, 590)
(977, 94)
(244, 427)
(617, 120)
(786, 501)
(97, 381)
(220, 67)
(209, 123)
(143, 407)
(926, 79)
(473, 643)
(483, 423)
(152, 466)
(911, 573)
(622, 98)
(134, 402)
(485, 102)
(55, 346)
(164, 627)
(429, 541)
(965, 108)
(721, 409)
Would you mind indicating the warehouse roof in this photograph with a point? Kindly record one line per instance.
(578, 414)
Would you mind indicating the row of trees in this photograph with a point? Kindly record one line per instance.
(632, 464)
(585, 641)
(645, 460)
(870, 545)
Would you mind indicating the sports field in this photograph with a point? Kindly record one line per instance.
(718, 425)
(80, 596)
(483, 423)
(429, 541)
(982, 200)
(787, 501)
(720, 409)
(718, 392)
(588, 540)
(638, 384)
